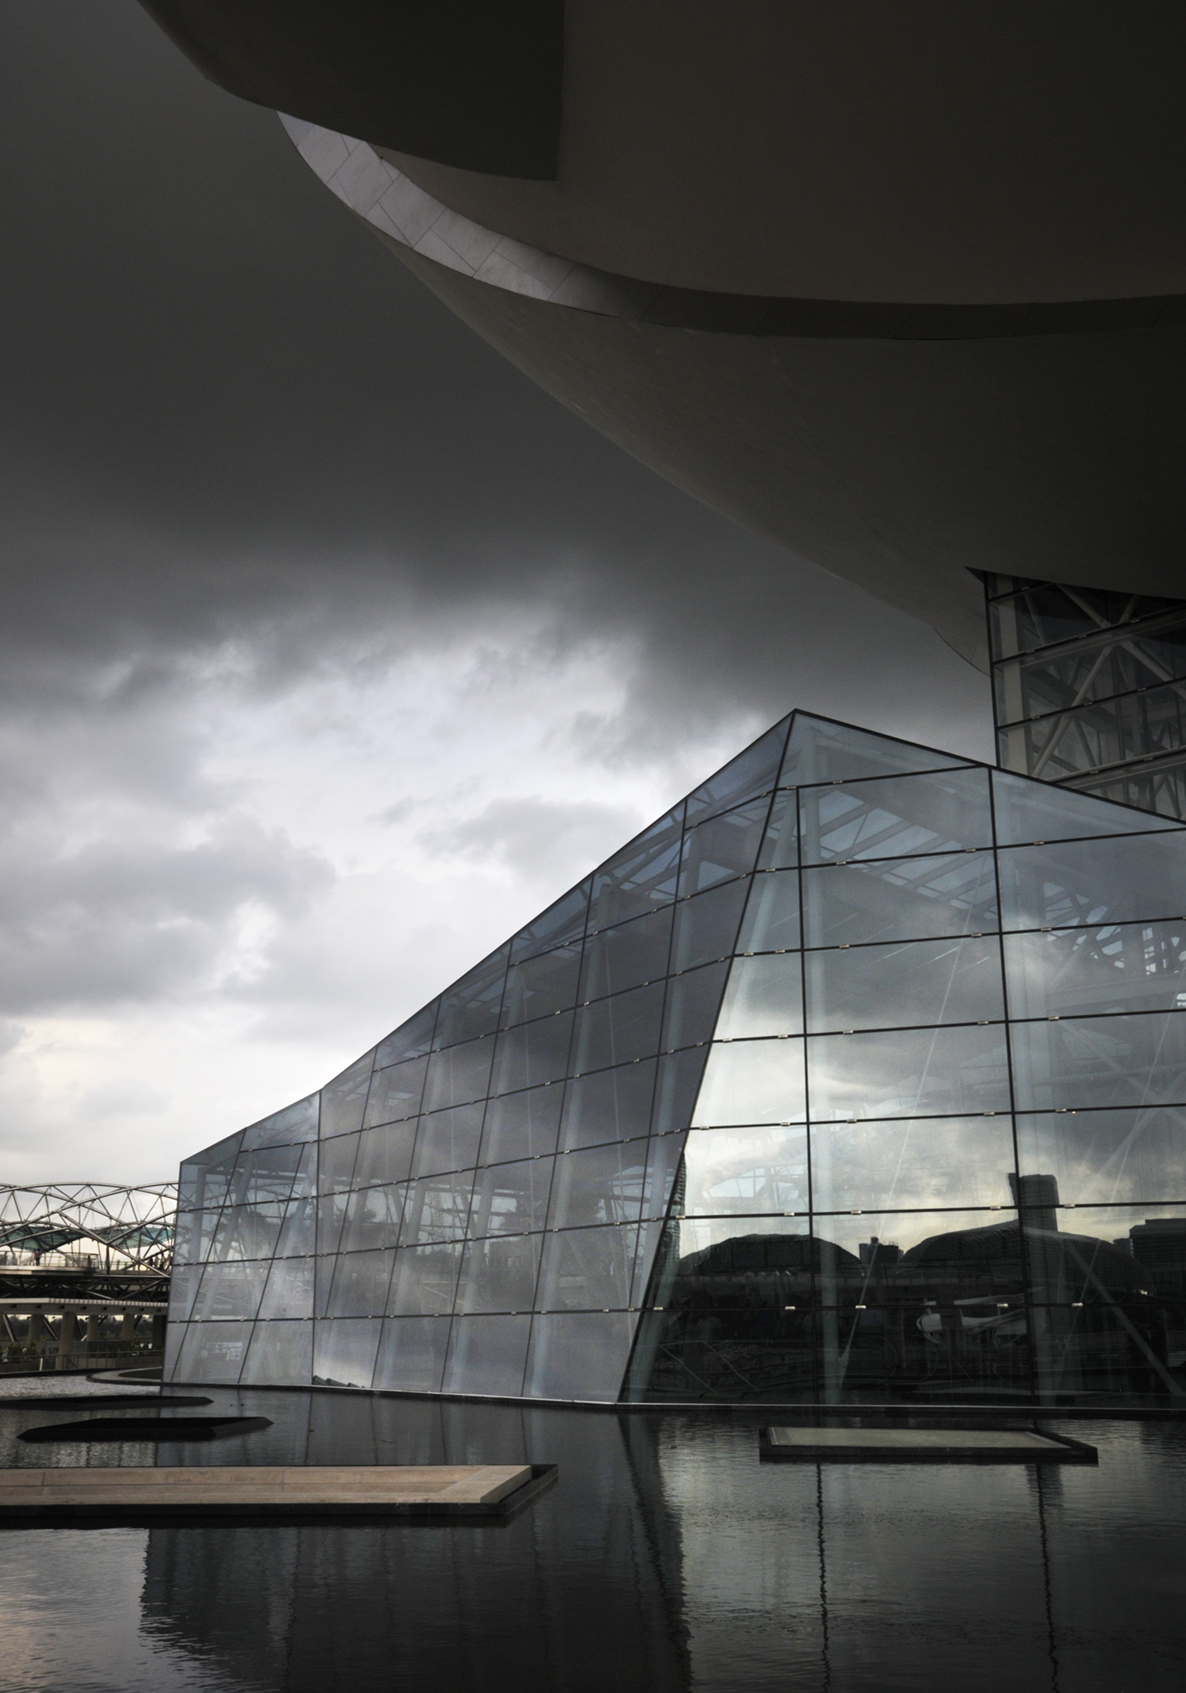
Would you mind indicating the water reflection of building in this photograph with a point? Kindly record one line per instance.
(841, 1081)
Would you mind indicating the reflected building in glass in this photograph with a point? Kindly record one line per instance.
(858, 1077)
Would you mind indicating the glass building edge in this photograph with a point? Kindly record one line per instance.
(835, 1327)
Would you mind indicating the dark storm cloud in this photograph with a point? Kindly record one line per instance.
(228, 412)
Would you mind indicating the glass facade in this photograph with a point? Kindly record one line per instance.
(1089, 689)
(790, 1100)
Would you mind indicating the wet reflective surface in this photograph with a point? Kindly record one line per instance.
(666, 1558)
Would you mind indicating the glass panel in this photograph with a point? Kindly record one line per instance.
(639, 877)
(1029, 810)
(1093, 882)
(820, 751)
(203, 1182)
(906, 1165)
(716, 1262)
(195, 1232)
(448, 1140)
(533, 1053)
(771, 922)
(336, 1164)
(280, 1355)
(745, 1170)
(764, 997)
(922, 1304)
(1088, 1061)
(1107, 1157)
(459, 1074)
(486, 1355)
(411, 1355)
(289, 1292)
(212, 1352)
(360, 1284)
(344, 1352)
(608, 1105)
(264, 1175)
(229, 1291)
(511, 1198)
(588, 1270)
(908, 1072)
(693, 1001)
(436, 1208)
(618, 1030)
(706, 927)
(1121, 967)
(299, 1233)
(183, 1285)
(305, 1181)
(680, 1076)
(424, 1280)
(603, 1185)
(664, 1172)
(895, 816)
(323, 1277)
(542, 985)
(903, 900)
(751, 772)
(579, 1355)
(247, 1231)
(344, 1099)
(870, 987)
(295, 1123)
(521, 1125)
(396, 1092)
(372, 1219)
(499, 1273)
(385, 1154)
(627, 955)
(758, 1081)
(470, 1008)
(780, 846)
(561, 924)
(410, 1040)
(725, 847)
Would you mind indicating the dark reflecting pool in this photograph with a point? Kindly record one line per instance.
(667, 1558)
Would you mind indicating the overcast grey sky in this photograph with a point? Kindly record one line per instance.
(332, 649)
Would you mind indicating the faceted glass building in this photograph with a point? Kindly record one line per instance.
(859, 1076)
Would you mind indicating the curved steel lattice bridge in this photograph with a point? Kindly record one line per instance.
(76, 1250)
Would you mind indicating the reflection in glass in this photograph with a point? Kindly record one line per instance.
(680, 1075)
(396, 1092)
(385, 1154)
(751, 772)
(561, 924)
(780, 844)
(470, 1007)
(511, 1198)
(486, 1355)
(410, 1039)
(521, 1125)
(499, 1273)
(640, 877)
(359, 1287)
(344, 1351)
(899, 899)
(626, 956)
(542, 985)
(706, 926)
(289, 1292)
(908, 1072)
(771, 922)
(533, 1053)
(608, 1105)
(280, 1354)
(296, 1123)
(344, 1099)
(459, 1074)
(693, 1001)
(411, 1356)
(758, 1081)
(436, 1208)
(1027, 810)
(603, 1185)
(1125, 880)
(212, 1352)
(298, 1236)
(228, 1291)
(448, 1140)
(578, 1355)
(372, 1218)
(1120, 967)
(908, 982)
(424, 1280)
(764, 997)
(748, 1170)
(587, 1270)
(1107, 1157)
(722, 848)
(1093, 1061)
(820, 751)
(895, 815)
(618, 1030)
(911, 1164)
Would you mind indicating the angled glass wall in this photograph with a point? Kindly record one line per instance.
(860, 1076)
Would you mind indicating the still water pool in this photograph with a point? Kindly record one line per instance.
(666, 1558)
